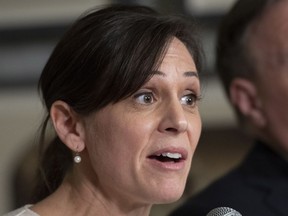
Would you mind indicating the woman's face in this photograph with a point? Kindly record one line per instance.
(141, 148)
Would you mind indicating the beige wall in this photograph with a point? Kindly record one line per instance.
(35, 12)
(20, 114)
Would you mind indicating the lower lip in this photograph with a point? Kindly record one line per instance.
(172, 166)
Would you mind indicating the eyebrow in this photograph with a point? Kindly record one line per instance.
(185, 74)
(191, 74)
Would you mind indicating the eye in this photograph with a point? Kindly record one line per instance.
(144, 98)
(190, 99)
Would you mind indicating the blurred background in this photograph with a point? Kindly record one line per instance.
(29, 29)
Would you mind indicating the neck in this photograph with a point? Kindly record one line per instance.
(280, 148)
(78, 197)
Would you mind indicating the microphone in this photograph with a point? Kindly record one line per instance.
(223, 211)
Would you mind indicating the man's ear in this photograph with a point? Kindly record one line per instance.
(68, 126)
(244, 96)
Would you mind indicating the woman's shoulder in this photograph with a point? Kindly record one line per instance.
(23, 211)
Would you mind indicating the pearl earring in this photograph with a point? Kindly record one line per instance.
(77, 158)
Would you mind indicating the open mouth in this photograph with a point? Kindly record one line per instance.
(167, 157)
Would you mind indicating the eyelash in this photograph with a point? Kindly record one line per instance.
(149, 95)
(195, 99)
(143, 95)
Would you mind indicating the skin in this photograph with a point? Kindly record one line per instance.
(270, 51)
(118, 174)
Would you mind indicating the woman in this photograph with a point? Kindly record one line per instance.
(121, 91)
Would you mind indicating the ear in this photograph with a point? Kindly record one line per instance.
(244, 96)
(68, 126)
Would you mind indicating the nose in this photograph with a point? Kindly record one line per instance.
(173, 118)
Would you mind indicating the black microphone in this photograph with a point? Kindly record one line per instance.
(223, 211)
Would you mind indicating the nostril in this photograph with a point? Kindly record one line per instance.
(171, 129)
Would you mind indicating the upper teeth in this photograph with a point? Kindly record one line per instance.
(172, 155)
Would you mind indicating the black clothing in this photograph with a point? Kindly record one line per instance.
(258, 187)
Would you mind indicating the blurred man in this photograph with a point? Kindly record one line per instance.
(252, 61)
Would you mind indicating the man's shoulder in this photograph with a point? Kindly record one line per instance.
(235, 189)
(217, 194)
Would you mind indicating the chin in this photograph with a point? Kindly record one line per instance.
(169, 198)
(170, 194)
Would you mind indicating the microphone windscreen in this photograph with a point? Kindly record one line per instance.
(223, 211)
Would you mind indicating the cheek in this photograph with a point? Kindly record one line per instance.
(132, 137)
(120, 137)
(195, 128)
(275, 103)
(276, 113)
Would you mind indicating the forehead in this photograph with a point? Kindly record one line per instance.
(176, 47)
(178, 54)
(273, 22)
(268, 35)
